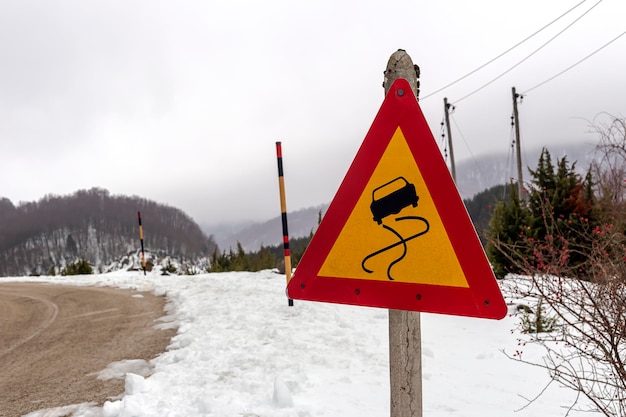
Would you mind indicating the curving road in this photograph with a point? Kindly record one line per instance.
(52, 337)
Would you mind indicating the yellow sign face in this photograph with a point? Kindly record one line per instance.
(394, 232)
(397, 234)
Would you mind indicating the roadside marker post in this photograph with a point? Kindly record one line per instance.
(143, 256)
(283, 215)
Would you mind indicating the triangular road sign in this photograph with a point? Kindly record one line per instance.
(397, 234)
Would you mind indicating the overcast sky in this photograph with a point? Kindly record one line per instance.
(182, 102)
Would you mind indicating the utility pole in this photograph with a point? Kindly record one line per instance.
(520, 179)
(446, 109)
(405, 339)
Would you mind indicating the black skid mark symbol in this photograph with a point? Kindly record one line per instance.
(403, 251)
(402, 241)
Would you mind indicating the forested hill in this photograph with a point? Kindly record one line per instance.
(92, 225)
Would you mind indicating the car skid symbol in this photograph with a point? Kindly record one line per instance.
(393, 203)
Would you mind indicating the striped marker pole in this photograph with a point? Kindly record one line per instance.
(283, 211)
(143, 256)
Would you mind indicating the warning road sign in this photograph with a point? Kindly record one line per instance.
(397, 234)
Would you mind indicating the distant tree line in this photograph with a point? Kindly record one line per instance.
(92, 225)
(266, 257)
(481, 206)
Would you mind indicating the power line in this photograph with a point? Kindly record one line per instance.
(530, 55)
(579, 62)
(503, 53)
(473, 157)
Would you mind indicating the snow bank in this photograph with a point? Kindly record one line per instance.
(241, 351)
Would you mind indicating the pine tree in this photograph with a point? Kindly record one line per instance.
(239, 261)
(507, 224)
(219, 262)
(552, 224)
(560, 205)
(80, 267)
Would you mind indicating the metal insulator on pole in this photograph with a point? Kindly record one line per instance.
(283, 214)
(446, 108)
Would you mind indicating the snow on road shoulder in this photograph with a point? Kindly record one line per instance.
(236, 338)
(241, 351)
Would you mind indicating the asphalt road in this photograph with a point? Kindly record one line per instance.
(53, 338)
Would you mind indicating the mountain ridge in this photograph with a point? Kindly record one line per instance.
(43, 237)
(473, 176)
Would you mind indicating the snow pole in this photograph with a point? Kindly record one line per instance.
(283, 215)
(143, 255)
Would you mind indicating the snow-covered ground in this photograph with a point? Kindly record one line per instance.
(241, 351)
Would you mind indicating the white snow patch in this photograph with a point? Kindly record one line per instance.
(118, 370)
(236, 335)
(84, 410)
(282, 396)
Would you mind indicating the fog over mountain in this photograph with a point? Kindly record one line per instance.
(473, 176)
(477, 174)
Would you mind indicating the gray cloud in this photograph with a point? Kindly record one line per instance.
(181, 102)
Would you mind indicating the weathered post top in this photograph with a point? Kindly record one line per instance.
(400, 65)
